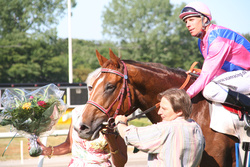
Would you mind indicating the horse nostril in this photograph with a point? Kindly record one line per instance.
(83, 127)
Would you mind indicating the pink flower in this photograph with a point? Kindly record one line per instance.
(31, 97)
(41, 103)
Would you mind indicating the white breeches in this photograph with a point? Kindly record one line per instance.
(217, 89)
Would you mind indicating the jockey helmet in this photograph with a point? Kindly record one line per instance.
(195, 9)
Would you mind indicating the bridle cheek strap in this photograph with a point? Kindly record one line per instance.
(120, 95)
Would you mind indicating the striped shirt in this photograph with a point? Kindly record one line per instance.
(176, 143)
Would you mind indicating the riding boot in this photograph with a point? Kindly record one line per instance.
(239, 100)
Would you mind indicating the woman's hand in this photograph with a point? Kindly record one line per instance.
(121, 119)
(45, 150)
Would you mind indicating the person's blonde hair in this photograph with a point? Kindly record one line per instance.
(179, 100)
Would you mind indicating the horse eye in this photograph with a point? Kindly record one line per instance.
(110, 87)
(90, 88)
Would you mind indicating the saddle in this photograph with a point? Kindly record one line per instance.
(243, 115)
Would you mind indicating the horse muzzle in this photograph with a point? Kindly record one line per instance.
(84, 131)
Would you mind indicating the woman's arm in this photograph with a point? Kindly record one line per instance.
(61, 149)
(118, 149)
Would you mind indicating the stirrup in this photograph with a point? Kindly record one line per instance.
(247, 121)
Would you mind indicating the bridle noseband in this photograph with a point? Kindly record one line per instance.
(120, 96)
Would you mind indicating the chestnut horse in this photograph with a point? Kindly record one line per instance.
(125, 85)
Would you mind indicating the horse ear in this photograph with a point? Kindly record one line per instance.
(100, 58)
(114, 58)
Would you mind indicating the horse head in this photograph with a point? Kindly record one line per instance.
(109, 97)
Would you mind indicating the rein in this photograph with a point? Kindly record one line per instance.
(110, 123)
(190, 72)
(120, 96)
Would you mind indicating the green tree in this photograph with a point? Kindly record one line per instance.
(28, 41)
(247, 36)
(30, 16)
(150, 31)
(84, 56)
(34, 61)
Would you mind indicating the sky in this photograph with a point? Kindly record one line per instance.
(86, 21)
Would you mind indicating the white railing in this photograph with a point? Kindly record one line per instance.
(11, 134)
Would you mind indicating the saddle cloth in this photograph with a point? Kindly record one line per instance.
(226, 122)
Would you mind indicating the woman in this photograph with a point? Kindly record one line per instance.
(90, 153)
(176, 141)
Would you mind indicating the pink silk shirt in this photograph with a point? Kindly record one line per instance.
(223, 50)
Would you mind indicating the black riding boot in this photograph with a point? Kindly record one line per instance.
(239, 100)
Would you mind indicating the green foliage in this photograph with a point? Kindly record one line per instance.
(247, 36)
(140, 122)
(34, 59)
(30, 16)
(151, 31)
(29, 47)
(84, 57)
(147, 31)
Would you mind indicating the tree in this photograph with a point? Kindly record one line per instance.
(35, 60)
(247, 36)
(30, 16)
(28, 41)
(151, 30)
(84, 57)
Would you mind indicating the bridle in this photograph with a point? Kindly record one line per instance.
(120, 96)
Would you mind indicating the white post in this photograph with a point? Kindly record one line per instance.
(70, 43)
(69, 51)
(41, 157)
(21, 151)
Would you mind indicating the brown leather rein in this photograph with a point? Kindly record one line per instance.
(190, 72)
(110, 123)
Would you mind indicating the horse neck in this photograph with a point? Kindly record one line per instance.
(147, 82)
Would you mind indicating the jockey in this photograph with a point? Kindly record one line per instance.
(225, 75)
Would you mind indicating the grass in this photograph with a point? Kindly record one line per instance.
(13, 151)
(140, 122)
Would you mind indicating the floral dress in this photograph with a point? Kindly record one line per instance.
(88, 153)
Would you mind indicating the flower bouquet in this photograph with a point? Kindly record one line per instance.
(33, 113)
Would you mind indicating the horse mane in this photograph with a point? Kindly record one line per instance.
(157, 67)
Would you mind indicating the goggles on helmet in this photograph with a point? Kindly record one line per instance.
(189, 9)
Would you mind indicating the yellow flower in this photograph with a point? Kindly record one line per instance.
(26, 105)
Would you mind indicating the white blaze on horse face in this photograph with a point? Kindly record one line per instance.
(99, 81)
